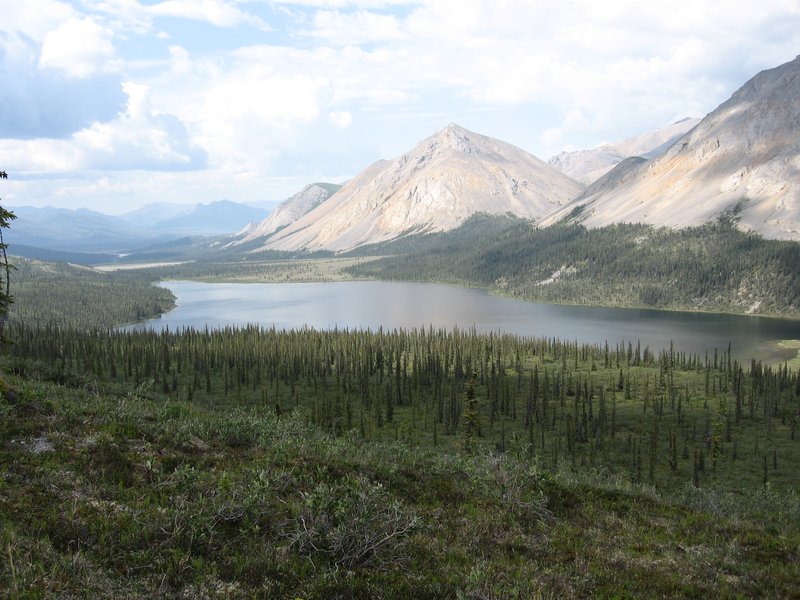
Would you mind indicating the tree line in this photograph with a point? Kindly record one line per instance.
(710, 267)
(660, 417)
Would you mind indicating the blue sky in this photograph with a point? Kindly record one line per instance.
(111, 104)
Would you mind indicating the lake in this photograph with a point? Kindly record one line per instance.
(390, 305)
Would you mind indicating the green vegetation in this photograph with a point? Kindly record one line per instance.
(83, 297)
(286, 270)
(794, 363)
(713, 267)
(251, 463)
(246, 463)
(6, 217)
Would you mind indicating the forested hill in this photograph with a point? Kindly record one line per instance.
(82, 297)
(712, 267)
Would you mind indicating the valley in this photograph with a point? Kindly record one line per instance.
(355, 396)
(261, 462)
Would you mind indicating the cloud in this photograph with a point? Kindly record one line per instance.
(243, 106)
(35, 19)
(339, 83)
(79, 48)
(360, 27)
(136, 140)
(620, 69)
(42, 103)
(342, 119)
(346, 3)
(137, 16)
(216, 12)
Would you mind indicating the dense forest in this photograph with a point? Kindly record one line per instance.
(82, 297)
(713, 267)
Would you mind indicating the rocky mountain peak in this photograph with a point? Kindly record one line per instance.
(588, 166)
(452, 138)
(436, 186)
(744, 154)
(767, 82)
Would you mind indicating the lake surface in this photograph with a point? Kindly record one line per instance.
(390, 305)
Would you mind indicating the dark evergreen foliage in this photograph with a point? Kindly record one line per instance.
(542, 398)
(712, 267)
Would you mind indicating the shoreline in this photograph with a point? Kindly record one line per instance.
(770, 352)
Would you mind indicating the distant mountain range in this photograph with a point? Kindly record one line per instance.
(84, 230)
(741, 161)
(588, 166)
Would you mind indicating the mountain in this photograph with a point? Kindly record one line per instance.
(156, 212)
(742, 159)
(435, 187)
(39, 230)
(587, 166)
(80, 230)
(215, 218)
(289, 211)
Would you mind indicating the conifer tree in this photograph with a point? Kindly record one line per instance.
(472, 423)
(6, 217)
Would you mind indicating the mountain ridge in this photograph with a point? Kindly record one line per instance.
(745, 154)
(435, 186)
(83, 230)
(589, 165)
(288, 211)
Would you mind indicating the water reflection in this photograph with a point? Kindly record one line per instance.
(375, 304)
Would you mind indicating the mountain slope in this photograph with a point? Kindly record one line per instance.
(434, 187)
(73, 230)
(587, 166)
(156, 212)
(215, 218)
(709, 268)
(289, 211)
(744, 156)
(38, 230)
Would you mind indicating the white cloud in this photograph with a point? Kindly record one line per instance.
(245, 115)
(79, 48)
(346, 3)
(35, 19)
(136, 140)
(360, 27)
(342, 119)
(137, 17)
(243, 107)
(44, 103)
(216, 12)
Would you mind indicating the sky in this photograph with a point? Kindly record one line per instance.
(113, 104)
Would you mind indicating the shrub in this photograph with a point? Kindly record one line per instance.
(353, 523)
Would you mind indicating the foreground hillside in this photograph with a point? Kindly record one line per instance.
(124, 495)
(714, 267)
(248, 463)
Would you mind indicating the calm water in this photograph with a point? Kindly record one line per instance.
(375, 304)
